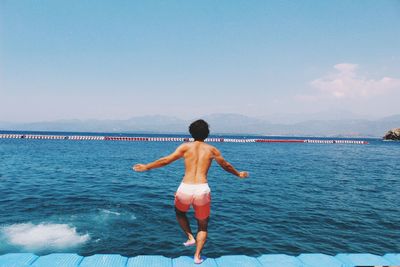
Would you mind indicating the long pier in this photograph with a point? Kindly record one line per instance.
(268, 260)
(177, 139)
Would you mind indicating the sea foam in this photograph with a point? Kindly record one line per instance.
(42, 236)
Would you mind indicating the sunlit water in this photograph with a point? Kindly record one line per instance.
(83, 197)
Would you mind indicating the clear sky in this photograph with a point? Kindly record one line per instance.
(79, 59)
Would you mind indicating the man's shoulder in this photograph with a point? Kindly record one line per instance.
(211, 147)
(184, 146)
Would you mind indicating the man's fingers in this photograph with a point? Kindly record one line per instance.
(136, 167)
(244, 174)
(140, 167)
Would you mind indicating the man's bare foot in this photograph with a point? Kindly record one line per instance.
(190, 242)
(198, 259)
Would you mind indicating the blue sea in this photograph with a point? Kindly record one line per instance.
(83, 197)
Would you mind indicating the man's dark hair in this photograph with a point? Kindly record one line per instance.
(199, 130)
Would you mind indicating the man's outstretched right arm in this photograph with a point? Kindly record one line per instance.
(227, 166)
(162, 161)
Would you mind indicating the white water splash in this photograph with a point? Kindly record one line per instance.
(106, 215)
(110, 212)
(42, 236)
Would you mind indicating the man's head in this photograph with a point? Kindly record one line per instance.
(199, 130)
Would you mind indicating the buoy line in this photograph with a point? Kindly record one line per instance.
(177, 139)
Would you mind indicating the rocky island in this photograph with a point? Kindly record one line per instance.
(393, 134)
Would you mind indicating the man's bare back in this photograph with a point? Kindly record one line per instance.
(198, 157)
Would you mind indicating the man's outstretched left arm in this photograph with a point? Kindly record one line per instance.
(177, 154)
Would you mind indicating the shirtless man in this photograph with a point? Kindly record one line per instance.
(194, 188)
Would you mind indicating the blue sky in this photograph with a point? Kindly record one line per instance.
(71, 59)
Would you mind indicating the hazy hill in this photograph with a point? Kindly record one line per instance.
(221, 123)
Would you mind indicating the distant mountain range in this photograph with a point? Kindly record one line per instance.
(221, 124)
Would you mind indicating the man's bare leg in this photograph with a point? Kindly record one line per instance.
(201, 237)
(184, 223)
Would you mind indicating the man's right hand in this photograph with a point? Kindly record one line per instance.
(243, 174)
(140, 168)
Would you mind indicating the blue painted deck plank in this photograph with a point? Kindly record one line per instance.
(17, 259)
(394, 258)
(59, 260)
(361, 259)
(104, 260)
(318, 260)
(185, 261)
(279, 260)
(237, 261)
(140, 261)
